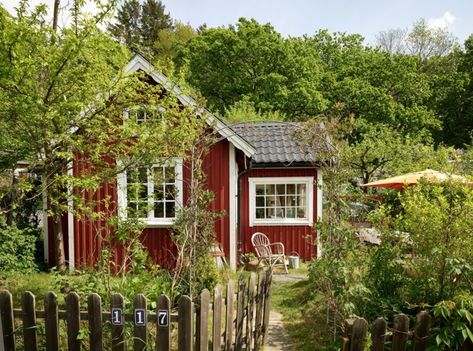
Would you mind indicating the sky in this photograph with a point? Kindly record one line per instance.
(298, 17)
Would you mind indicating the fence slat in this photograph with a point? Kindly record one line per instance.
(229, 317)
(240, 313)
(358, 339)
(51, 322)
(421, 331)
(400, 332)
(267, 303)
(202, 325)
(163, 332)
(378, 335)
(30, 335)
(185, 332)
(73, 321)
(94, 309)
(7, 322)
(250, 311)
(118, 322)
(140, 332)
(217, 319)
(259, 308)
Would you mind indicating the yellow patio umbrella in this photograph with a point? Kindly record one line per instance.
(400, 181)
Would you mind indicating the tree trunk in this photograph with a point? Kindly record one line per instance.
(58, 240)
(56, 14)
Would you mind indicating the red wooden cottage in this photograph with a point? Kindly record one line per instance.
(258, 174)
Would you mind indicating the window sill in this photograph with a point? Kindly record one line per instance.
(256, 223)
(158, 223)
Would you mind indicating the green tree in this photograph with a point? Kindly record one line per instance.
(252, 61)
(138, 26)
(54, 107)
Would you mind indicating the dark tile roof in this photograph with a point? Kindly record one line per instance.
(274, 142)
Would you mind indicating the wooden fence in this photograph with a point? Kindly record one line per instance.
(235, 321)
(396, 338)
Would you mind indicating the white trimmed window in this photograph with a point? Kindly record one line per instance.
(144, 113)
(153, 194)
(281, 201)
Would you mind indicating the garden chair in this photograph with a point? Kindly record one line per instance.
(272, 253)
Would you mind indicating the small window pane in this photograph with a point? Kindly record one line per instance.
(281, 200)
(301, 212)
(158, 175)
(301, 189)
(291, 212)
(170, 209)
(270, 189)
(158, 192)
(280, 189)
(291, 200)
(170, 191)
(291, 189)
(169, 174)
(259, 189)
(260, 213)
(270, 201)
(270, 212)
(260, 201)
(280, 213)
(159, 209)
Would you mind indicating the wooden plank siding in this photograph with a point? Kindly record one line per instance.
(88, 233)
(298, 238)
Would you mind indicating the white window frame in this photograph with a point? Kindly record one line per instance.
(308, 181)
(127, 113)
(152, 221)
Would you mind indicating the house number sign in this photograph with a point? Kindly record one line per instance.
(140, 317)
(117, 316)
(163, 318)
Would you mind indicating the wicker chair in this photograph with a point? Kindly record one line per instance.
(272, 253)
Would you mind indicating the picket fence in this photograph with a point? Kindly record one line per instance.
(235, 322)
(397, 338)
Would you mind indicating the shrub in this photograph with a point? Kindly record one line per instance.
(17, 248)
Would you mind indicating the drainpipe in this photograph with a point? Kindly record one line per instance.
(239, 199)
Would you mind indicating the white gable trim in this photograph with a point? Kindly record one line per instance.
(138, 62)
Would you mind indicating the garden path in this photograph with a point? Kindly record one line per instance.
(278, 338)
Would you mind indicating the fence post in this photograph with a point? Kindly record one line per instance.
(378, 335)
(259, 308)
(7, 320)
(51, 322)
(217, 319)
(400, 332)
(240, 312)
(163, 332)
(267, 302)
(118, 322)
(358, 338)
(30, 336)
(73, 321)
(250, 312)
(185, 331)
(140, 331)
(94, 310)
(202, 332)
(229, 317)
(421, 331)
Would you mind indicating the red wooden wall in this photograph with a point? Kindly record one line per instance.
(90, 234)
(298, 238)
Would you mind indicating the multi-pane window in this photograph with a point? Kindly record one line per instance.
(152, 193)
(281, 200)
(142, 114)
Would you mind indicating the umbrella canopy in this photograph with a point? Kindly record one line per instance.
(399, 182)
